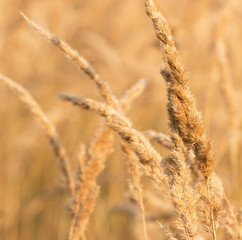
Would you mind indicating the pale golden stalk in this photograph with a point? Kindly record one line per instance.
(48, 127)
(82, 160)
(102, 47)
(73, 55)
(132, 94)
(135, 184)
(211, 213)
(82, 157)
(213, 81)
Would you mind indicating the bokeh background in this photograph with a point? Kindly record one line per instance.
(119, 41)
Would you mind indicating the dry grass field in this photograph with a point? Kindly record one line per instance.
(152, 148)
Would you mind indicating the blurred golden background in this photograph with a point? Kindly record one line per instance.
(117, 38)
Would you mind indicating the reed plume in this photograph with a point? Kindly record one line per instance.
(183, 114)
(185, 120)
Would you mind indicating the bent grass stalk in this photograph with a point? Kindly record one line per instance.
(48, 127)
(73, 55)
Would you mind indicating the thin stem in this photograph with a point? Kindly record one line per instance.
(211, 212)
(143, 220)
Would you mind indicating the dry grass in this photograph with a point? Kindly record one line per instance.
(180, 166)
